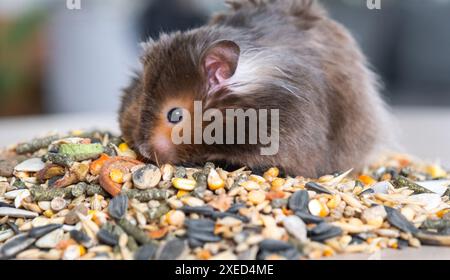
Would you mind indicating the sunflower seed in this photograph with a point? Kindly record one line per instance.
(296, 227)
(38, 232)
(30, 165)
(317, 188)
(6, 234)
(17, 213)
(107, 238)
(434, 239)
(274, 245)
(308, 218)
(82, 238)
(15, 245)
(146, 252)
(381, 187)
(118, 206)
(172, 250)
(324, 231)
(299, 201)
(399, 221)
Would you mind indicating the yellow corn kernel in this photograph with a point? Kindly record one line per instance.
(317, 208)
(77, 132)
(175, 218)
(278, 183)
(182, 193)
(334, 202)
(442, 212)
(328, 252)
(124, 147)
(116, 175)
(393, 244)
(48, 213)
(82, 250)
(214, 180)
(436, 171)
(272, 173)
(184, 184)
(125, 151)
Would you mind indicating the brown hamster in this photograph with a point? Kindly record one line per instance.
(285, 54)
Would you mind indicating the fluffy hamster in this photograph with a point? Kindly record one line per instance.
(261, 54)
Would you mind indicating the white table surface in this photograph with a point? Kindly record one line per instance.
(423, 132)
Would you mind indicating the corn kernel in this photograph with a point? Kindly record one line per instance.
(77, 132)
(182, 193)
(272, 173)
(328, 252)
(278, 183)
(116, 176)
(393, 244)
(214, 180)
(48, 213)
(124, 150)
(436, 171)
(124, 147)
(442, 212)
(184, 184)
(318, 209)
(82, 250)
(175, 218)
(334, 202)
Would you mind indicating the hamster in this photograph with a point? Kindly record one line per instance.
(261, 54)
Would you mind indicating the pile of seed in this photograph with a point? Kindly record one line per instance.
(87, 195)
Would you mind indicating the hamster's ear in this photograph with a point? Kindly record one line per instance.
(220, 61)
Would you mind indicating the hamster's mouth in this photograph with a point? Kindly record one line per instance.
(156, 155)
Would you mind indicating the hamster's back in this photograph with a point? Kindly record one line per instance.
(304, 35)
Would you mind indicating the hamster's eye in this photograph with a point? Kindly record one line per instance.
(175, 115)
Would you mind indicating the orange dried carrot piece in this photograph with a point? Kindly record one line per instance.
(159, 233)
(97, 164)
(124, 164)
(275, 195)
(367, 180)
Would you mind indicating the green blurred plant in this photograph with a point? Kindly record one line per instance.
(15, 40)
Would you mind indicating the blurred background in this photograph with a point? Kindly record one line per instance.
(63, 63)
